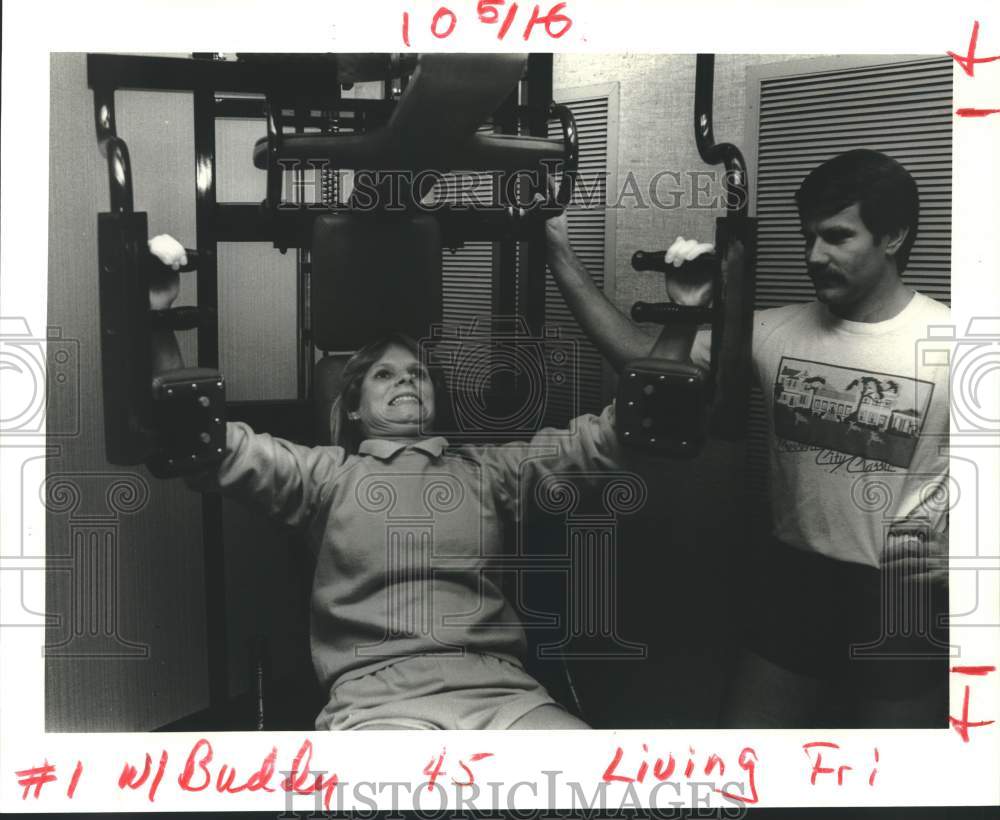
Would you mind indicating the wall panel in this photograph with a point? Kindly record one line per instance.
(141, 536)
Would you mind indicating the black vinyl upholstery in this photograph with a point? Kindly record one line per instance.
(373, 274)
(448, 97)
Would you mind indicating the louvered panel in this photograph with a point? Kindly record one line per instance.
(467, 282)
(467, 289)
(467, 272)
(902, 109)
(842, 86)
(805, 163)
(790, 174)
(757, 463)
(873, 104)
(837, 83)
(821, 123)
(857, 91)
(891, 122)
(901, 77)
(901, 142)
(586, 230)
(582, 393)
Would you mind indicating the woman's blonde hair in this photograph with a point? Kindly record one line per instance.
(347, 432)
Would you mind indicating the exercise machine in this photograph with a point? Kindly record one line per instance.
(431, 127)
(669, 406)
(427, 125)
(429, 119)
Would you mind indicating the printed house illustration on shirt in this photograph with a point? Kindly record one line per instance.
(875, 416)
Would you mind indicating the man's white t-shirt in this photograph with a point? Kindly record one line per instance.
(857, 425)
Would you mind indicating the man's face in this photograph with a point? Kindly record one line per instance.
(397, 396)
(843, 259)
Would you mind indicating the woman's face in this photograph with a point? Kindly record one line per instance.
(397, 396)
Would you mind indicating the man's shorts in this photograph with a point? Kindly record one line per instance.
(471, 691)
(832, 620)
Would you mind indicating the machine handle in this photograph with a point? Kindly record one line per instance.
(650, 260)
(186, 317)
(193, 258)
(663, 313)
(704, 265)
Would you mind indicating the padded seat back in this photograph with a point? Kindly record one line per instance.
(373, 274)
(327, 385)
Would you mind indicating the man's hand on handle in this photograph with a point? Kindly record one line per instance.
(689, 286)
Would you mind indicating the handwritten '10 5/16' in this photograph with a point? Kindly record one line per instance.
(444, 21)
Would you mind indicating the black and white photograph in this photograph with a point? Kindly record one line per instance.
(449, 388)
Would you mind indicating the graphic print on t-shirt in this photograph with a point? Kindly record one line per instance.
(873, 415)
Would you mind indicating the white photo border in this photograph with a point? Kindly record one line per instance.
(913, 767)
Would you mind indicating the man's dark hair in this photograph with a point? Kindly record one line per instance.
(884, 190)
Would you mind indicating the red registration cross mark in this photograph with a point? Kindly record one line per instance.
(963, 724)
(968, 62)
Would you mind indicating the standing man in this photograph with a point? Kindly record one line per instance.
(858, 476)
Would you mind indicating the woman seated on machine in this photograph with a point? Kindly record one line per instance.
(409, 627)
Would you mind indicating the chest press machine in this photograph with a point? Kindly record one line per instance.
(366, 266)
(385, 242)
(381, 243)
(668, 406)
(374, 261)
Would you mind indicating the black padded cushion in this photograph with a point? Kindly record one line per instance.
(327, 385)
(373, 274)
(491, 152)
(447, 98)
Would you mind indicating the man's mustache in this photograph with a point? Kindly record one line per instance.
(824, 272)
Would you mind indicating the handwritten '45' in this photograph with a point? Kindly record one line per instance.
(434, 768)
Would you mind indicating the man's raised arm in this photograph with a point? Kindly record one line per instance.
(616, 336)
